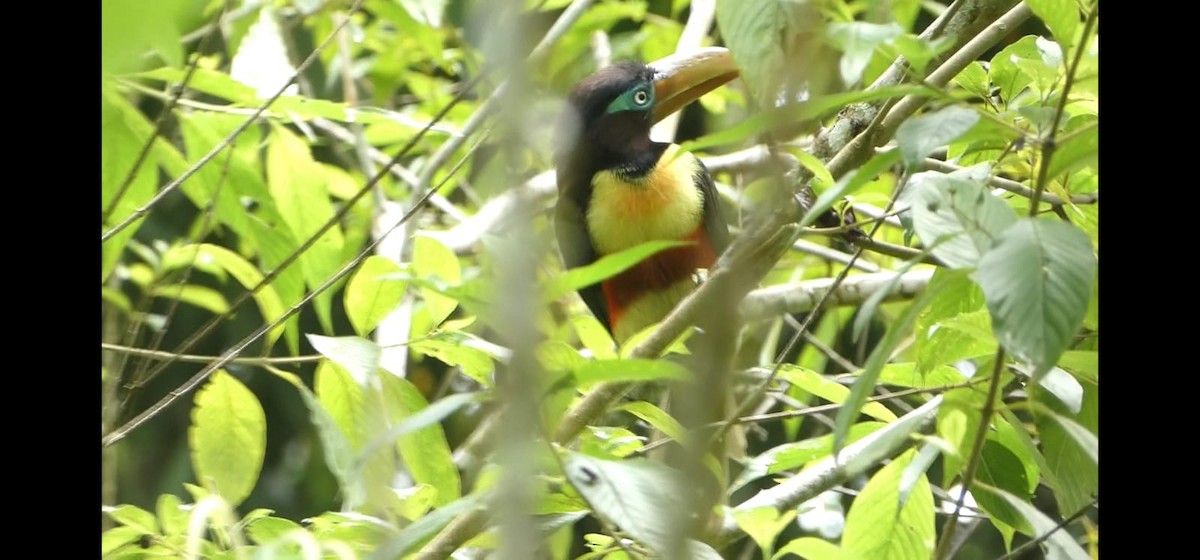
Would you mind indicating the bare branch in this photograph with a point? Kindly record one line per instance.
(801, 297)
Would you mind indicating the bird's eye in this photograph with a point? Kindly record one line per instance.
(641, 97)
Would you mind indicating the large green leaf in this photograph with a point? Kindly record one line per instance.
(878, 527)
(767, 38)
(228, 437)
(359, 356)
(425, 450)
(1070, 443)
(921, 135)
(1037, 279)
(339, 455)
(358, 413)
(1061, 16)
(297, 186)
(957, 217)
(999, 467)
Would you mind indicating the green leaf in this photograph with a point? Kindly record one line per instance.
(430, 415)
(865, 384)
(1061, 16)
(297, 186)
(957, 422)
(200, 296)
(850, 183)
(459, 349)
(1071, 447)
(763, 525)
(1083, 363)
(339, 455)
(765, 37)
(878, 527)
(359, 356)
(907, 375)
(593, 372)
(415, 501)
(605, 267)
(369, 298)
(117, 537)
(134, 517)
(130, 28)
(432, 259)
(999, 467)
(608, 441)
(921, 135)
(1079, 150)
(228, 437)
(956, 217)
(1019, 65)
(816, 384)
(171, 515)
(857, 41)
(123, 131)
(656, 417)
(266, 529)
(974, 79)
(247, 275)
(1037, 279)
(594, 336)
(968, 335)
(1059, 545)
(425, 450)
(812, 548)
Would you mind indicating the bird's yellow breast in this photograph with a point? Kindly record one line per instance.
(664, 204)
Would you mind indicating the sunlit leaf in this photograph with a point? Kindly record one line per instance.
(878, 527)
(228, 437)
(919, 136)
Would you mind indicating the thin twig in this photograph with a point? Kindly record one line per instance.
(973, 460)
(198, 359)
(1027, 547)
(1049, 144)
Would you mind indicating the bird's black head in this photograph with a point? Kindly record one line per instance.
(607, 119)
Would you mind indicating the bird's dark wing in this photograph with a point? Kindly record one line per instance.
(570, 224)
(714, 222)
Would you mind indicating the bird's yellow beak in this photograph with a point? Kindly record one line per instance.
(680, 79)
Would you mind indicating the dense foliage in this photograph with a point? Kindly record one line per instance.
(336, 324)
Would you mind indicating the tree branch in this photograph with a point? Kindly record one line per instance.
(800, 297)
